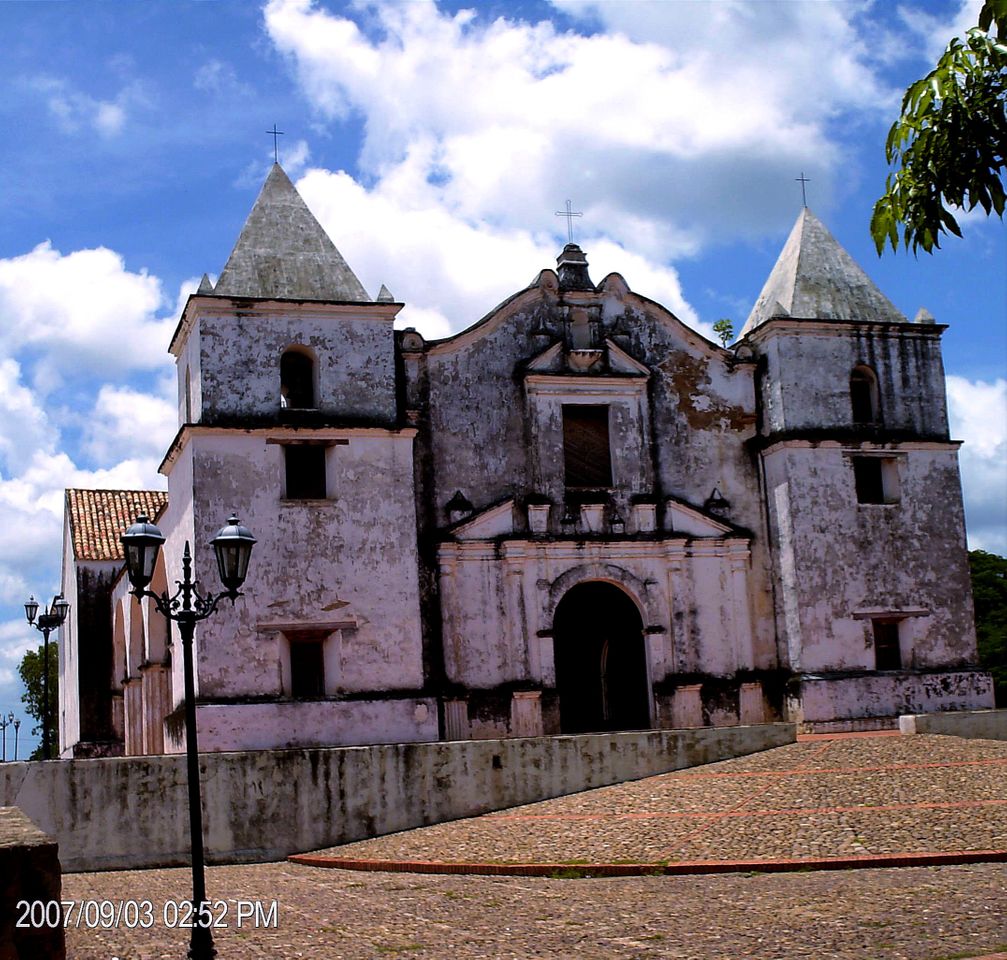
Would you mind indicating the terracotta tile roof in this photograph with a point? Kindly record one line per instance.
(99, 517)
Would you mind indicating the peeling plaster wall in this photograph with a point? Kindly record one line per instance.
(838, 558)
(351, 558)
(499, 603)
(495, 430)
(239, 362)
(328, 723)
(190, 390)
(890, 695)
(906, 360)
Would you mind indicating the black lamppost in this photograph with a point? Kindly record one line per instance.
(48, 621)
(186, 607)
(5, 722)
(17, 727)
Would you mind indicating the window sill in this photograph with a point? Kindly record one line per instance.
(296, 502)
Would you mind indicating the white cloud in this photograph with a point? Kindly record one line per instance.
(978, 414)
(681, 126)
(127, 422)
(685, 126)
(450, 284)
(75, 110)
(24, 426)
(295, 157)
(934, 31)
(84, 310)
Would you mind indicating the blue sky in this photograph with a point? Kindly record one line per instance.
(434, 142)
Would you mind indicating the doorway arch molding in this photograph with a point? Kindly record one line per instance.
(637, 589)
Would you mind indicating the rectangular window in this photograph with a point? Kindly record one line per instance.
(876, 479)
(587, 457)
(307, 667)
(305, 471)
(887, 652)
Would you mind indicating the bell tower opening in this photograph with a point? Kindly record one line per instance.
(601, 665)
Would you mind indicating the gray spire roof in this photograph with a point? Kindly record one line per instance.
(283, 252)
(815, 278)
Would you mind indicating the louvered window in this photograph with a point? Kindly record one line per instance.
(586, 454)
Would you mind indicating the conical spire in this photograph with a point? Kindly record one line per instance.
(283, 252)
(815, 278)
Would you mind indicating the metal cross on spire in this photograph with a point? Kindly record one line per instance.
(569, 213)
(275, 133)
(802, 180)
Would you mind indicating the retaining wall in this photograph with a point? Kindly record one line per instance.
(130, 812)
(977, 724)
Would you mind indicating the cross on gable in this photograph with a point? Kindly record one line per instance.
(802, 179)
(569, 213)
(275, 133)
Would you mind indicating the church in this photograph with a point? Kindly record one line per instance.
(575, 515)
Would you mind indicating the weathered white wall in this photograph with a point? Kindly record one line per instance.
(889, 695)
(295, 723)
(131, 812)
(841, 562)
(349, 560)
(499, 601)
(240, 345)
(906, 360)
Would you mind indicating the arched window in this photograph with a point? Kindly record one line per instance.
(864, 395)
(297, 379)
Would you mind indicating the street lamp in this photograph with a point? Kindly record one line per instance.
(48, 621)
(17, 727)
(5, 722)
(186, 607)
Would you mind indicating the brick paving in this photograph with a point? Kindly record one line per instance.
(929, 792)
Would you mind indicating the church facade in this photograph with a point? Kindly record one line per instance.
(575, 515)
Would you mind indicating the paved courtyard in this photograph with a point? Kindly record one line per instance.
(818, 799)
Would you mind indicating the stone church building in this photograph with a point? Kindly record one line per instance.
(575, 515)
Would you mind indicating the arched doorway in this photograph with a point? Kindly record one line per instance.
(601, 667)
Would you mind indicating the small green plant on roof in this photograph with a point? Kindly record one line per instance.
(724, 330)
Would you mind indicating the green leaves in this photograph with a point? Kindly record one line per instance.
(948, 146)
(724, 330)
(989, 594)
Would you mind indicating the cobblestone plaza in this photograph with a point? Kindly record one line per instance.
(849, 797)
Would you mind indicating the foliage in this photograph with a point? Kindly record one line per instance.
(30, 670)
(989, 593)
(948, 146)
(724, 330)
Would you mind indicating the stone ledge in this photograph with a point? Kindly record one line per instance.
(973, 724)
(29, 870)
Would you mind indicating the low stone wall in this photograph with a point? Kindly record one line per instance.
(131, 812)
(29, 871)
(975, 724)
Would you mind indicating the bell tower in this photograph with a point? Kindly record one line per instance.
(289, 415)
(863, 494)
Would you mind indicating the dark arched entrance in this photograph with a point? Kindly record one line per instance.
(601, 668)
